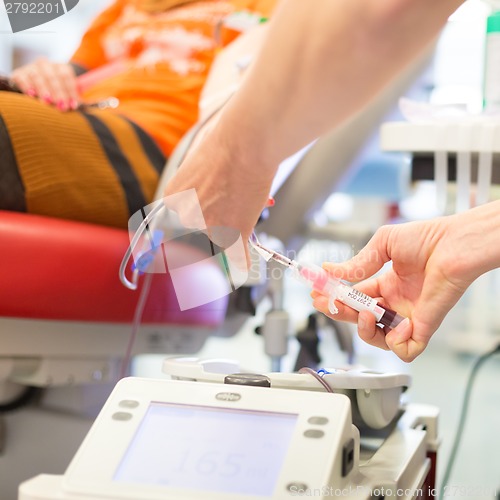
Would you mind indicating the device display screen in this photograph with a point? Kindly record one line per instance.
(208, 448)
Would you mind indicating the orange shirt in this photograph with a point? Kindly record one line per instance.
(164, 60)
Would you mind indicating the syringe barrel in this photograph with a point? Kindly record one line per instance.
(315, 277)
(359, 301)
(319, 279)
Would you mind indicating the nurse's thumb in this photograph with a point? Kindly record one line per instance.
(364, 264)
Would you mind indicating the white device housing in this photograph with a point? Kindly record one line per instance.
(375, 395)
(319, 449)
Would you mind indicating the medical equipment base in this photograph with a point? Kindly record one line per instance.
(186, 440)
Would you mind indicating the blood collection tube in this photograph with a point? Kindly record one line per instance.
(318, 279)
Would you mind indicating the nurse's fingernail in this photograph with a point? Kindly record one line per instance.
(31, 92)
(402, 327)
(361, 322)
(47, 98)
(73, 104)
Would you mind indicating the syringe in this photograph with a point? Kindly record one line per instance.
(318, 279)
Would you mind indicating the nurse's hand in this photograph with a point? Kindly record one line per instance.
(433, 263)
(53, 83)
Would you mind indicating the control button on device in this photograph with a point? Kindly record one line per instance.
(297, 488)
(317, 421)
(122, 415)
(253, 379)
(128, 403)
(313, 433)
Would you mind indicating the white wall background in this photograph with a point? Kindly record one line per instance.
(56, 40)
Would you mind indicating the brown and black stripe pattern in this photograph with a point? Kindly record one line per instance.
(94, 166)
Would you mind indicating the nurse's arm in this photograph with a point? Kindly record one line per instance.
(320, 63)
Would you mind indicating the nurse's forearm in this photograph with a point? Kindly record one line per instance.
(323, 60)
(477, 232)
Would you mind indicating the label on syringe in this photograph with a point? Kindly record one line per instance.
(359, 301)
(319, 279)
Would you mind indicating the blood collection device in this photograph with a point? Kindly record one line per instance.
(318, 279)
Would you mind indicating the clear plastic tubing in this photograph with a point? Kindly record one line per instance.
(318, 279)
